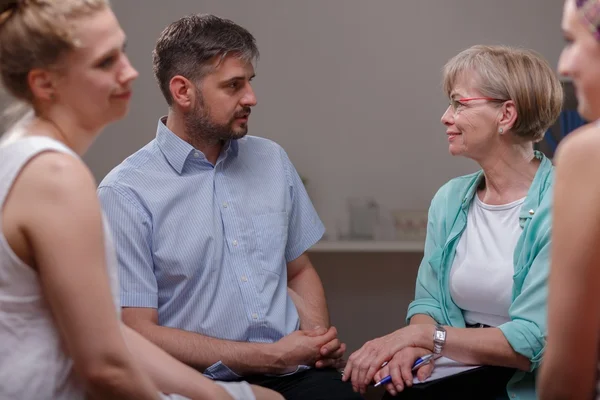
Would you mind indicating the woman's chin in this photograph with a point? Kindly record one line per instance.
(455, 150)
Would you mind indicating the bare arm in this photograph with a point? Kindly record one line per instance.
(475, 346)
(484, 346)
(422, 319)
(201, 351)
(481, 346)
(306, 290)
(574, 283)
(244, 358)
(170, 375)
(54, 199)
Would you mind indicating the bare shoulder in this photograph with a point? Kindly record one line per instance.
(580, 149)
(53, 176)
(53, 187)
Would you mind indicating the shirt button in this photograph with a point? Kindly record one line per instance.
(196, 155)
(244, 278)
(255, 316)
(225, 205)
(531, 212)
(513, 395)
(234, 242)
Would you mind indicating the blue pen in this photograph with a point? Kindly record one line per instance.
(419, 363)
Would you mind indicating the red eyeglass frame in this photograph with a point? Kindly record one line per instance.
(465, 99)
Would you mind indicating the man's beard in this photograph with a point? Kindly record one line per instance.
(201, 129)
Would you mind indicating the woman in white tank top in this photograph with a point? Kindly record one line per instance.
(60, 333)
(570, 366)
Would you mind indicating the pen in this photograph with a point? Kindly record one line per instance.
(426, 359)
(419, 363)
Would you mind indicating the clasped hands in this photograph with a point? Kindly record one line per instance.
(398, 350)
(318, 347)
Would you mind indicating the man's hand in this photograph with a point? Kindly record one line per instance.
(400, 369)
(332, 353)
(302, 348)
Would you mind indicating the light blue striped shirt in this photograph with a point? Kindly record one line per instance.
(208, 245)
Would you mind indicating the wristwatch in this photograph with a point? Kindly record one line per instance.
(439, 339)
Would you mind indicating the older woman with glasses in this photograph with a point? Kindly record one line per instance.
(481, 288)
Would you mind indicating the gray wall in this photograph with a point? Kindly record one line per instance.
(351, 89)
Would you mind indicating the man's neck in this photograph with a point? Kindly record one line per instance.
(210, 150)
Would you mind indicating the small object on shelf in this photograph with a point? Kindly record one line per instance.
(364, 214)
(410, 224)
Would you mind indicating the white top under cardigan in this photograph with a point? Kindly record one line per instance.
(481, 279)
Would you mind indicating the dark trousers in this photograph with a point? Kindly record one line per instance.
(485, 383)
(312, 384)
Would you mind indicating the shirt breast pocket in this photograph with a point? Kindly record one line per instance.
(271, 233)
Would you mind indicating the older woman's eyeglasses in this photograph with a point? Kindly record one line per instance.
(458, 104)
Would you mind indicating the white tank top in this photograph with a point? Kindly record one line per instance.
(33, 363)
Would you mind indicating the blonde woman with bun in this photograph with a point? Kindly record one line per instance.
(60, 332)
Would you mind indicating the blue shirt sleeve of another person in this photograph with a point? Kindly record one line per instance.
(304, 225)
(131, 227)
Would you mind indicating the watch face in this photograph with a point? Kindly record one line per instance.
(439, 335)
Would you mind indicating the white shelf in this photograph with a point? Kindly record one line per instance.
(365, 246)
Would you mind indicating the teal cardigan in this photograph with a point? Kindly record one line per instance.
(447, 220)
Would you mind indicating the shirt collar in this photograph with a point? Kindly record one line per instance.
(177, 151)
(541, 183)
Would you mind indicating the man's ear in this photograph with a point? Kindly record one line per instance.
(183, 92)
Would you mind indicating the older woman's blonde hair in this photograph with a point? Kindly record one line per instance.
(516, 74)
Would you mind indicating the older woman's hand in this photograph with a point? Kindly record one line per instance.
(400, 369)
(366, 361)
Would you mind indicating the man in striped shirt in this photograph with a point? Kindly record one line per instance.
(212, 227)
